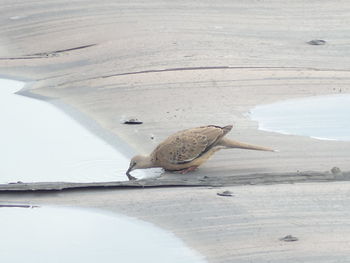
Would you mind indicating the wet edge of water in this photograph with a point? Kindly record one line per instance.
(88, 123)
(172, 240)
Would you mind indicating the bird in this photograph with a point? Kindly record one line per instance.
(185, 150)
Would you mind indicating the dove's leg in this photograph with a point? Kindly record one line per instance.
(189, 169)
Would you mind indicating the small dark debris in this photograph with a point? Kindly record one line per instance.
(18, 182)
(132, 121)
(225, 193)
(335, 170)
(204, 178)
(289, 238)
(317, 42)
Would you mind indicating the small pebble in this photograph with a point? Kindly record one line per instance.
(289, 238)
(317, 42)
(225, 193)
(335, 170)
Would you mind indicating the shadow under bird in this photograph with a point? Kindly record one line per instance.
(185, 150)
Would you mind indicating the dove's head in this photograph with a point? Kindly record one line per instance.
(138, 162)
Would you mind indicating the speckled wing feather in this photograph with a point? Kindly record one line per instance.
(185, 146)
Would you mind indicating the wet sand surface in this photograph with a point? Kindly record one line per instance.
(176, 65)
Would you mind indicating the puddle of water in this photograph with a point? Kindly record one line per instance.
(321, 117)
(39, 142)
(49, 234)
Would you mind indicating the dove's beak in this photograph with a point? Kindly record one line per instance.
(128, 172)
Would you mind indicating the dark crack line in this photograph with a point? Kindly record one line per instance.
(190, 69)
(47, 54)
(53, 77)
(61, 50)
(18, 58)
(194, 69)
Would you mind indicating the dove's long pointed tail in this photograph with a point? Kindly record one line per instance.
(234, 144)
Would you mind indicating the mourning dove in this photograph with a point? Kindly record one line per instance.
(185, 150)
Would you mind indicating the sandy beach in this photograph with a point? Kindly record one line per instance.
(177, 65)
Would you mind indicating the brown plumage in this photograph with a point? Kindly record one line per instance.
(185, 150)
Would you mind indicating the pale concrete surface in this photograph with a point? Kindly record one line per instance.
(176, 65)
